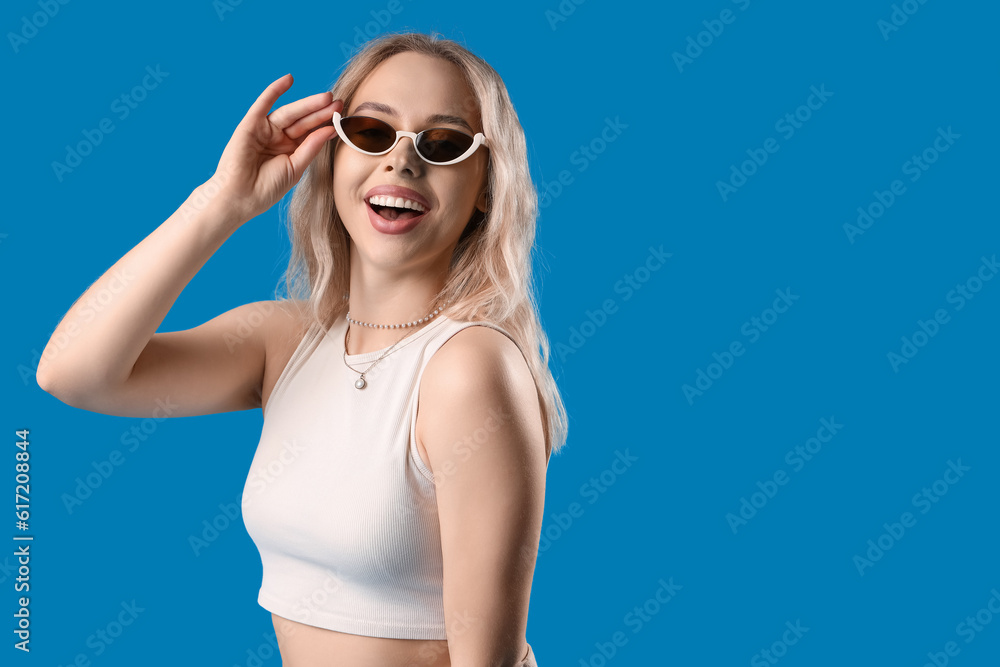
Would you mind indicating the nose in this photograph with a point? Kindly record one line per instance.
(403, 158)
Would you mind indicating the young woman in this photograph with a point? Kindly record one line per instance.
(397, 491)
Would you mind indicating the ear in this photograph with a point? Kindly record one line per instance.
(482, 202)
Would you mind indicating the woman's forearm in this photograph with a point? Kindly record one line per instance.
(98, 341)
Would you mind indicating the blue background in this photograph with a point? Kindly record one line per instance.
(680, 130)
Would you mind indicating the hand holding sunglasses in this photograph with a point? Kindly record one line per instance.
(253, 172)
(437, 145)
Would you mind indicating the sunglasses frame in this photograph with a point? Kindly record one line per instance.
(478, 140)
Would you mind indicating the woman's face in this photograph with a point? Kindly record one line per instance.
(407, 91)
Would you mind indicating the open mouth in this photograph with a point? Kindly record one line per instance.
(395, 208)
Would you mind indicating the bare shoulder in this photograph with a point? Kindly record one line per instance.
(479, 358)
(478, 378)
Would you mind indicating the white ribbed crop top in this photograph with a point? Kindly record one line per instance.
(338, 500)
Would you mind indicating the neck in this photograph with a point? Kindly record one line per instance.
(381, 295)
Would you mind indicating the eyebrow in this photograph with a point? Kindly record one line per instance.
(436, 118)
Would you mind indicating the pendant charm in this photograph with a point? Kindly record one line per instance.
(360, 384)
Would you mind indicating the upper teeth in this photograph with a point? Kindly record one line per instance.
(397, 202)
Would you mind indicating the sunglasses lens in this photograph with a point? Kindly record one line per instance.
(443, 145)
(368, 134)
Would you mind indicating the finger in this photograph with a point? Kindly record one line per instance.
(267, 98)
(308, 123)
(308, 149)
(287, 115)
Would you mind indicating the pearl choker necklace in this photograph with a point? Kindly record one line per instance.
(398, 326)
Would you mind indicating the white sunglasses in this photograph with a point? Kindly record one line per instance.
(437, 145)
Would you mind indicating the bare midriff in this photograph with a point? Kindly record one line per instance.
(309, 646)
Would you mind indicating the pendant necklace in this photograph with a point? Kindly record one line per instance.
(361, 382)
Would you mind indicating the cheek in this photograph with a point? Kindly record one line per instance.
(469, 184)
(460, 195)
(345, 178)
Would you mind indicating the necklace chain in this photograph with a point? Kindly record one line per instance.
(361, 382)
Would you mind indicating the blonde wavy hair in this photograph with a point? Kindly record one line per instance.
(490, 276)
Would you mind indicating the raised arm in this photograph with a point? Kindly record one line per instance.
(105, 354)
